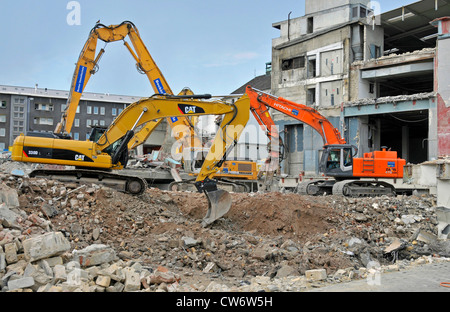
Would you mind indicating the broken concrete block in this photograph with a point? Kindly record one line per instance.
(77, 277)
(8, 196)
(103, 280)
(11, 253)
(287, 270)
(59, 273)
(189, 241)
(54, 261)
(316, 275)
(162, 275)
(443, 218)
(94, 255)
(132, 280)
(23, 282)
(8, 218)
(394, 246)
(2, 261)
(426, 237)
(45, 246)
(49, 210)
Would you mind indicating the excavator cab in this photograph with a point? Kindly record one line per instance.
(337, 160)
(96, 132)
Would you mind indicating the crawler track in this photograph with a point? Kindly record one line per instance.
(128, 184)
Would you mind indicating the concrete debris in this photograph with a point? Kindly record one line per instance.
(61, 237)
(391, 99)
(429, 51)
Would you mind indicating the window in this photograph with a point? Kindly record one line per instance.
(95, 122)
(102, 111)
(114, 111)
(362, 12)
(296, 62)
(76, 136)
(43, 107)
(311, 96)
(95, 110)
(76, 122)
(312, 67)
(2, 118)
(43, 121)
(310, 25)
(355, 12)
(89, 110)
(102, 122)
(63, 107)
(88, 122)
(2, 132)
(375, 51)
(2, 104)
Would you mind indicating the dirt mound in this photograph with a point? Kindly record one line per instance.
(292, 215)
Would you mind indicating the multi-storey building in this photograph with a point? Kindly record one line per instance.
(377, 77)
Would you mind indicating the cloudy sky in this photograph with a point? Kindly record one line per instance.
(209, 46)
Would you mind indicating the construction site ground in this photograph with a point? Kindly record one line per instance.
(267, 236)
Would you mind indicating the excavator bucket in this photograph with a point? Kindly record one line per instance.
(219, 203)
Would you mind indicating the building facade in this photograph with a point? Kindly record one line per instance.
(373, 75)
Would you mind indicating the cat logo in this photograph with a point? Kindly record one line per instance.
(190, 109)
(79, 157)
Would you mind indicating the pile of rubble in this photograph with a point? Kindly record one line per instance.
(57, 236)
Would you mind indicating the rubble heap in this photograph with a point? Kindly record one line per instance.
(57, 236)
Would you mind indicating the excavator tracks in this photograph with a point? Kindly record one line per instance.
(315, 187)
(349, 188)
(127, 184)
(361, 188)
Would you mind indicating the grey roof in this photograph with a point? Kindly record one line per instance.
(262, 82)
(64, 94)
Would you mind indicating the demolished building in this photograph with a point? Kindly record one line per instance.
(381, 79)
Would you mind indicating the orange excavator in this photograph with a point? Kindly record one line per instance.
(353, 176)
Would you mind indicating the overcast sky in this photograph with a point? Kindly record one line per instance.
(209, 46)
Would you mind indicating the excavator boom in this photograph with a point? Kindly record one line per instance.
(88, 64)
(261, 101)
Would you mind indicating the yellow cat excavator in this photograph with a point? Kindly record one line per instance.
(94, 161)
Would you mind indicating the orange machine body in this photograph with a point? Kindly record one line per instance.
(379, 164)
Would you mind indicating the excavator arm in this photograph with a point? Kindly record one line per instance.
(261, 102)
(87, 65)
